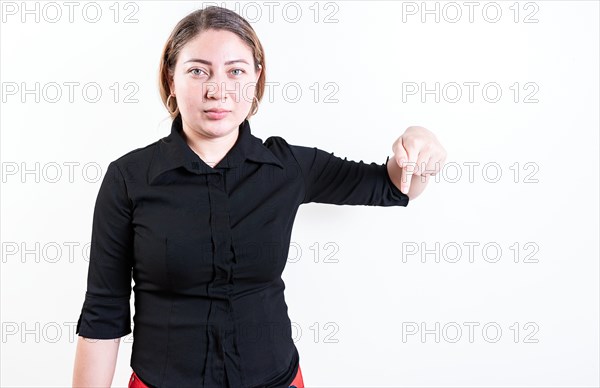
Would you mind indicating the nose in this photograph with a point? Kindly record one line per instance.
(213, 90)
(217, 88)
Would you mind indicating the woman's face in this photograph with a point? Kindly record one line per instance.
(214, 82)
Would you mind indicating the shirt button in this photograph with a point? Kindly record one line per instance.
(215, 178)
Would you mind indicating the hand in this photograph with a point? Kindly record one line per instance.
(418, 152)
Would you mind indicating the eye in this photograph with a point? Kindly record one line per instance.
(193, 71)
(237, 70)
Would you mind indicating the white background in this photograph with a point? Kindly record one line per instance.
(362, 305)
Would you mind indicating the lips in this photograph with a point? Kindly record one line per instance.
(217, 110)
(216, 113)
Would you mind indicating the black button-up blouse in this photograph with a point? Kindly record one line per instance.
(206, 248)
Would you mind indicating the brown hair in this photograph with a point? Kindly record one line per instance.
(216, 18)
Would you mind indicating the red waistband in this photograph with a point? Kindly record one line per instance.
(135, 382)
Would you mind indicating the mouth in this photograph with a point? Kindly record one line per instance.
(216, 114)
(217, 110)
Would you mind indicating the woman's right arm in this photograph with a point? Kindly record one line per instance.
(105, 316)
(95, 362)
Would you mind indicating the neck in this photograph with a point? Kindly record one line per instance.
(210, 149)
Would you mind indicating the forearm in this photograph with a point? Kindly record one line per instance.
(95, 362)
(417, 183)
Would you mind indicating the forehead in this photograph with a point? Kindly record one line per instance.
(216, 45)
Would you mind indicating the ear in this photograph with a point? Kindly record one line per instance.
(171, 86)
(258, 72)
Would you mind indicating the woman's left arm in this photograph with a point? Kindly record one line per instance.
(416, 152)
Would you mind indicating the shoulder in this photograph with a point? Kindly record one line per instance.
(285, 150)
(134, 162)
(138, 154)
(275, 142)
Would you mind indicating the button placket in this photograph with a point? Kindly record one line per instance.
(221, 347)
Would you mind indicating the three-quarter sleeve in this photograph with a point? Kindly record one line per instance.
(331, 179)
(105, 313)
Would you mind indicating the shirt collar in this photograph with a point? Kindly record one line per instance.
(173, 152)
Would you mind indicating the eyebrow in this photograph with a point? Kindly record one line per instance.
(210, 63)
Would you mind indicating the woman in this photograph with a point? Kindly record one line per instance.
(202, 221)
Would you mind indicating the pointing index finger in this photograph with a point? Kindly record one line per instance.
(407, 172)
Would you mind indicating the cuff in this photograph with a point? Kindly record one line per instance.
(397, 195)
(104, 317)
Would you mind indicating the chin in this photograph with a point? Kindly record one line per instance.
(219, 127)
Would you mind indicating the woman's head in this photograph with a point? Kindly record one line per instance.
(212, 60)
